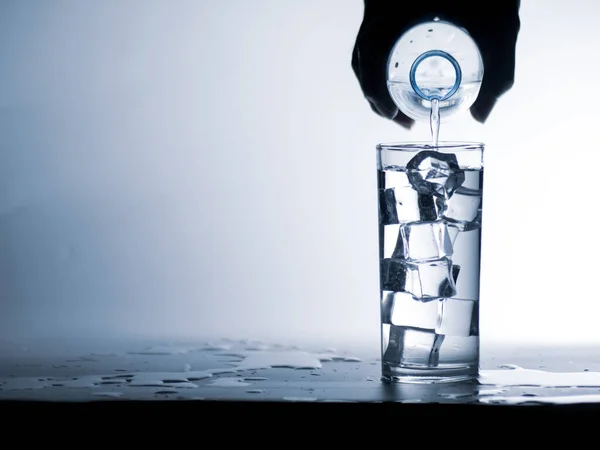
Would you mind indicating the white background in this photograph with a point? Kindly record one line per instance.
(207, 168)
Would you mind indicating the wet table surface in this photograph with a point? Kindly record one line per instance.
(233, 370)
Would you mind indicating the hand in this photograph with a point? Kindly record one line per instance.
(494, 26)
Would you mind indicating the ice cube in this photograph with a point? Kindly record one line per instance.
(387, 207)
(404, 204)
(455, 272)
(390, 239)
(387, 306)
(425, 281)
(435, 173)
(393, 275)
(422, 241)
(463, 210)
(391, 178)
(458, 317)
(434, 280)
(413, 347)
(408, 312)
(430, 208)
(447, 285)
(414, 207)
(453, 233)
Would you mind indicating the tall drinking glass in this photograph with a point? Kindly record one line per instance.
(430, 203)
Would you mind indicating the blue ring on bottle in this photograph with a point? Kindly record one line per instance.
(423, 57)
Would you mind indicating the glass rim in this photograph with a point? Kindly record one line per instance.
(414, 146)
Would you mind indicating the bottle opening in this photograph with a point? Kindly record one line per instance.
(435, 75)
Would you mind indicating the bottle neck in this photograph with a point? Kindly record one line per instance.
(433, 95)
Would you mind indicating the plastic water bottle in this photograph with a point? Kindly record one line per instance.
(434, 69)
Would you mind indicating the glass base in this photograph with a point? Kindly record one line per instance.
(440, 374)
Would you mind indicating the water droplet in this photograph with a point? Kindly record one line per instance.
(430, 30)
(254, 391)
(396, 65)
(436, 19)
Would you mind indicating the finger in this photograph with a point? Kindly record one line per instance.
(483, 106)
